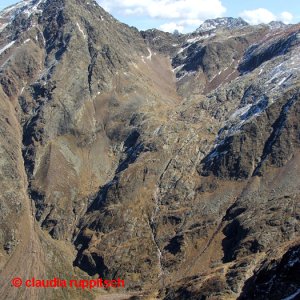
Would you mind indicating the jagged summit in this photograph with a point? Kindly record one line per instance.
(25, 8)
(276, 25)
(227, 22)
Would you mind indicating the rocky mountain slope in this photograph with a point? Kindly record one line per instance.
(170, 161)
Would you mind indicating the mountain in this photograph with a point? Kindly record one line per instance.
(228, 23)
(169, 161)
(276, 24)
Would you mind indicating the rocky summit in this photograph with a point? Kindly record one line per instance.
(169, 161)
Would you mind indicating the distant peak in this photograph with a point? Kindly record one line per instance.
(276, 25)
(26, 9)
(227, 22)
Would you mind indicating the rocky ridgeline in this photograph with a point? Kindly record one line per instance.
(228, 23)
(171, 161)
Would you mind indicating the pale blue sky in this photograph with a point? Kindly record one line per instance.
(186, 15)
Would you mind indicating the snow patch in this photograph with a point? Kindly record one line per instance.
(255, 109)
(156, 38)
(293, 296)
(260, 71)
(282, 81)
(194, 40)
(82, 32)
(150, 54)
(33, 9)
(135, 65)
(183, 49)
(27, 7)
(240, 111)
(13, 7)
(177, 68)
(283, 72)
(6, 47)
(2, 27)
(186, 74)
(229, 74)
(157, 130)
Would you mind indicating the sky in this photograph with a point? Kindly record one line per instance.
(187, 15)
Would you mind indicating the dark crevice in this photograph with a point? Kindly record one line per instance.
(234, 233)
(93, 56)
(175, 244)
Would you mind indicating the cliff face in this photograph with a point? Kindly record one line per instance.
(171, 161)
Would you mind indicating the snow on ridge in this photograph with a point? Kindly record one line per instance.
(27, 7)
(34, 9)
(199, 38)
(15, 7)
(194, 40)
(227, 22)
(191, 41)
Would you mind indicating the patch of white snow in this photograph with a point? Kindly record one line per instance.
(6, 47)
(150, 54)
(82, 32)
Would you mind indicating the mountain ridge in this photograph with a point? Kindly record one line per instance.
(227, 22)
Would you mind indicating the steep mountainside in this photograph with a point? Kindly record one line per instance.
(170, 161)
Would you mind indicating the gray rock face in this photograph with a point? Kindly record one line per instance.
(171, 161)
